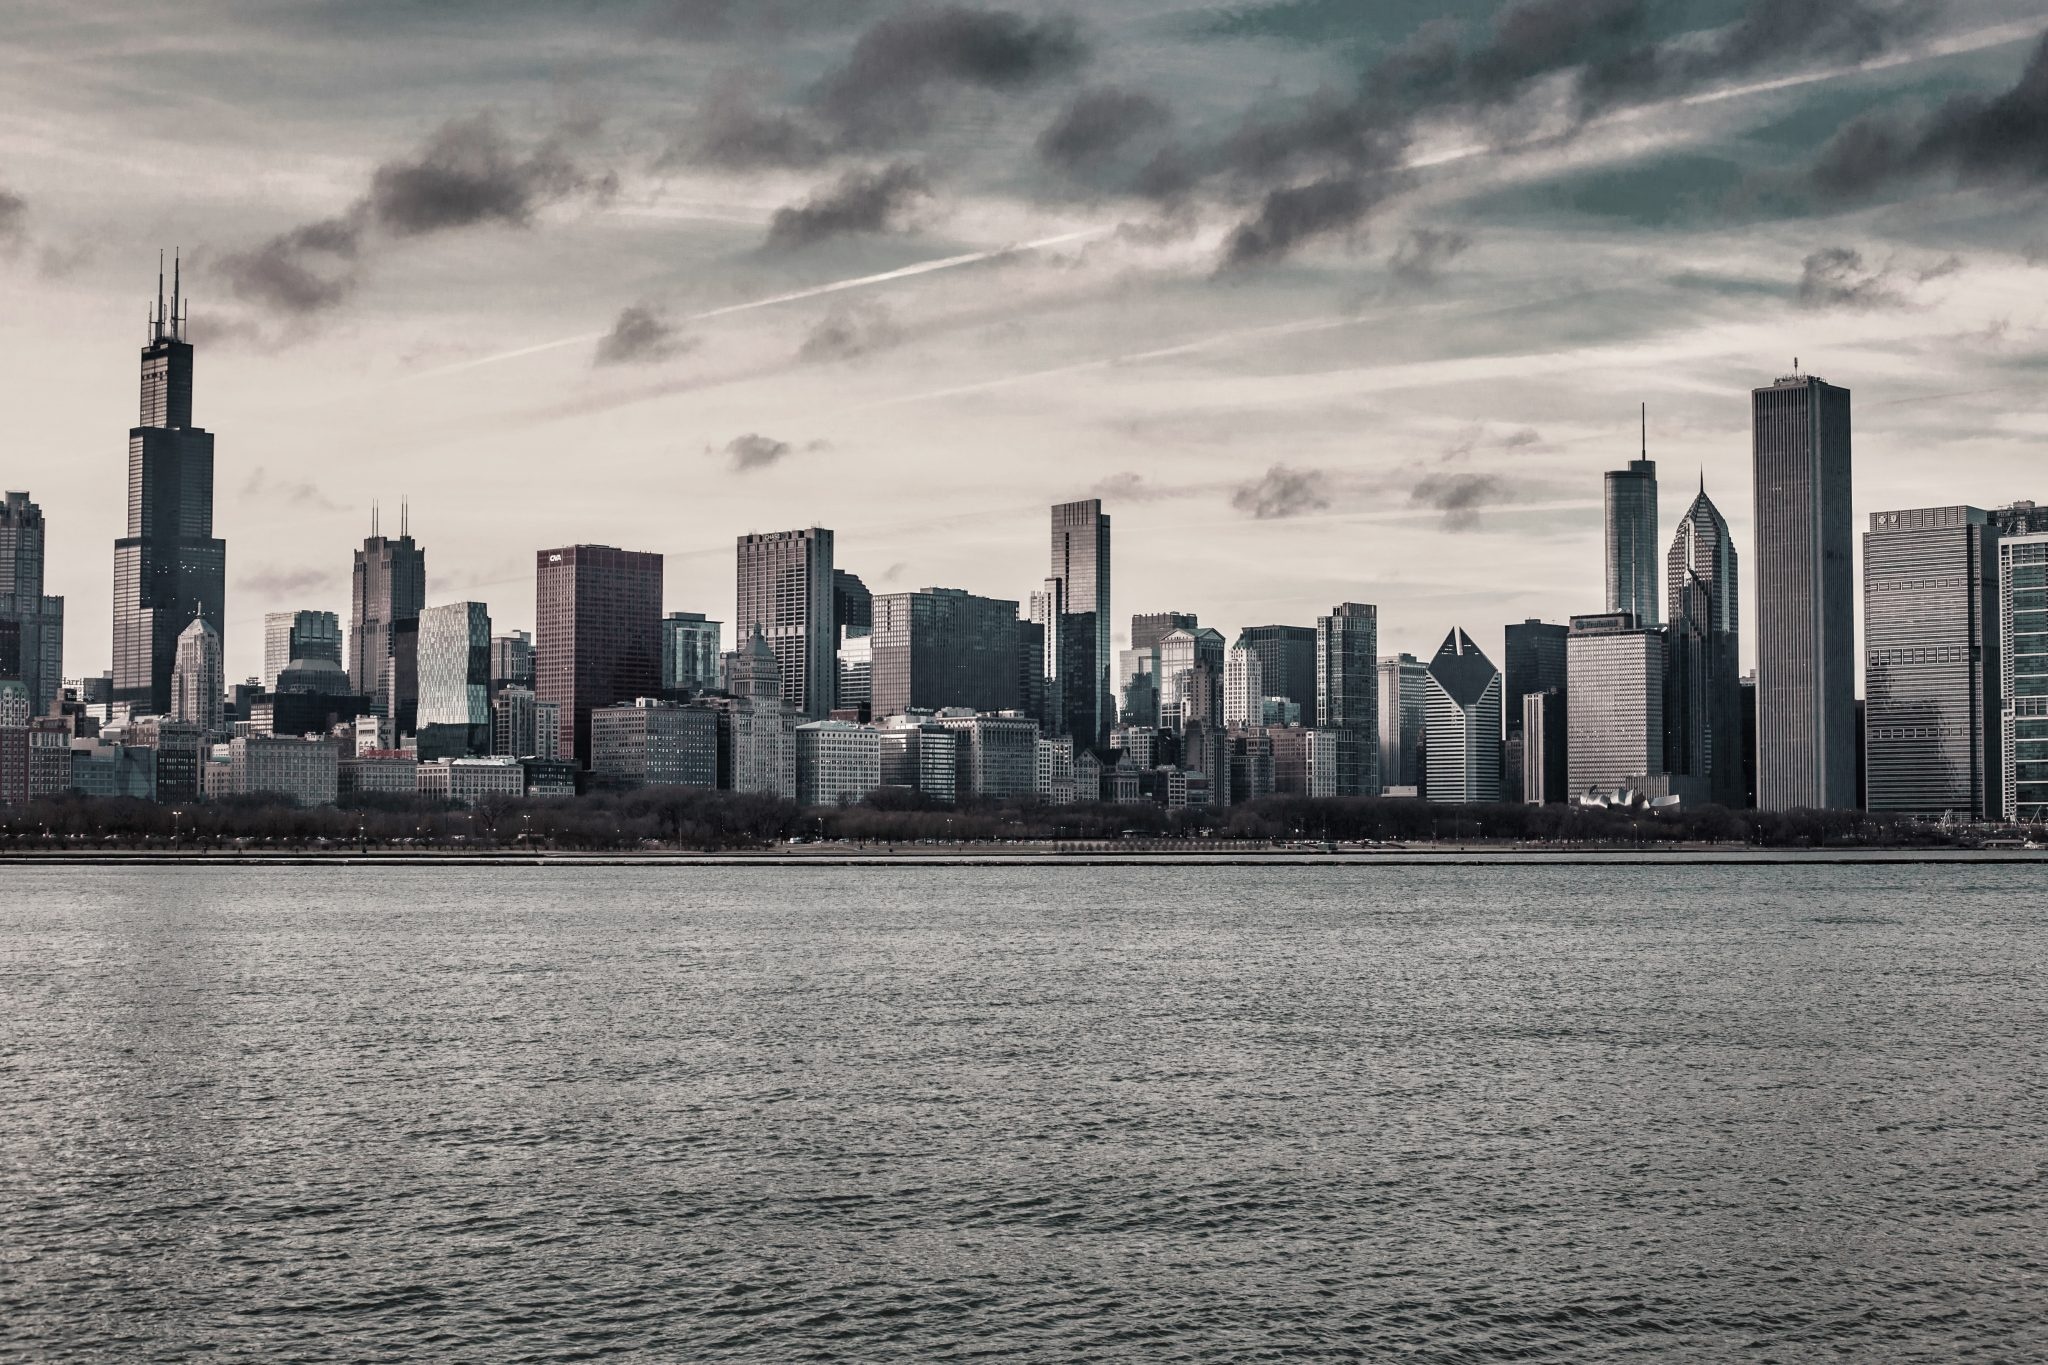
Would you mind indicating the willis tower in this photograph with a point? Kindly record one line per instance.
(169, 569)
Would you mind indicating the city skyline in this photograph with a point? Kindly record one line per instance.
(1444, 410)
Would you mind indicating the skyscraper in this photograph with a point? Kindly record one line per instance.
(1703, 677)
(169, 569)
(690, 647)
(455, 675)
(1534, 662)
(33, 622)
(786, 587)
(512, 663)
(1463, 745)
(597, 637)
(1347, 693)
(389, 588)
(2023, 675)
(1404, 718)
(942, 647)
(1930, 663)
(1287, 660)
(1244, 686)
(1081, 654)
(1615, 705)
(1182, 654)
(1805, 595)
(292, 635)
(1632, 536)
(196, 677)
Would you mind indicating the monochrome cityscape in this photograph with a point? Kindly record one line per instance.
(827, 693)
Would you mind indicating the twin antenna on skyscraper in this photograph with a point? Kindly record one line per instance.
(169, 326)
(404, 518)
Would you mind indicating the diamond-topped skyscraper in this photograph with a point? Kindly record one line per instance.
(169, 569)
(1703, 675)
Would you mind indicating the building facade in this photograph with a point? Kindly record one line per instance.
(289, 636)
(1805, 596)
(1244, 686)
(31, 622)
(942, 648)
(1931, 669)
(304, 771)
(838, 763)
(1347, 693)
(786, 588)
(651, 743)
(1287, 661)
(1631, 542)
(2023, 676)
(197, 684)
(997, 756)
(1403, 721)
(597, 637)
(1463, 724)
(169, 567)
(455, 671)
(387, 592)
(691, 644)
(1546, 771)
(1615, 707)
(1703, 675)
(1080, 660)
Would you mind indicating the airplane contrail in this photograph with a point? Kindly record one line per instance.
(793, 296)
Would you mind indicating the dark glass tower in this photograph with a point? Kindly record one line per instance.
(31, 625)
(1703, 677)
(169, 569)
(1347, 693)
(1632, 537)
(597, 633)
(1805, 596)
(1079, 640)
(390, 589)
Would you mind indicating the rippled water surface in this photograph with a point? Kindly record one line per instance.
(1065, 1113)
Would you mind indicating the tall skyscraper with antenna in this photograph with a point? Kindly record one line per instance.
(169, 569)
(1632, 536)
(389, 590)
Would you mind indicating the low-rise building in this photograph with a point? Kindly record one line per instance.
(466, 781)
(304, 771)
(919, 757)
(108, 770)
(379, 774)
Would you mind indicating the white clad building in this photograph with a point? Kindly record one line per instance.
(837, 762)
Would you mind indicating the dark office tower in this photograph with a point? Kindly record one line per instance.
(389, 589)
(1632, 537)
(786, 587)
(1148, 630)
(1347, 693)
(33, 623)
(2020, 519)
(1931, 662)
(597, 634)
(1805, 596)
(1031, 669)
(852, 603)
(943, 647)
(1082, 659)
(1287, 662)
(512, 663)
(1535, 663)
(169, 570)
(1703, 675)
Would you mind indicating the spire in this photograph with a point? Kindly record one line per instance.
(404, 517)
(1646, 431)
(177, 289)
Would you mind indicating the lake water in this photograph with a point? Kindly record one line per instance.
(1448, 1114)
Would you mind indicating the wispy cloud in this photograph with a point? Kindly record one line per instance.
(1283, 492)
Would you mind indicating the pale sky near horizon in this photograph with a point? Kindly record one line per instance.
(1328, 300)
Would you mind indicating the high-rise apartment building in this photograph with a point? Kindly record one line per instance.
(786, 587)
(690, 647)
(1632, 537)
(289, 636)
(1546, 771)
(1703, 675)
(1244, 686)
(169, 568)
(1805, 596)
(455, 672)
(388, 590)
(2023, 675)
(1079, 646)
(1463, 724)
(33, 623)
(1615, 705)
(940, 648)
(1930, 663)
(1347, 693)
(597, 638)
(1403, 720)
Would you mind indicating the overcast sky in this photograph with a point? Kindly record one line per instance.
(1329, 300)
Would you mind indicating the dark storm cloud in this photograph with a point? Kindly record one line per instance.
(732, 130)
(467, 173)
(640, 334)
(470, 172)
(1420, 258)
(309, 269)
(1973, 139)
(1460, 497)
(13, 219)
(861, 201)
(755, 451)
(1097, 124)
(886, 86)
(850, 331)
(1298, 213)
(1837, 277)
(1283, 492)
